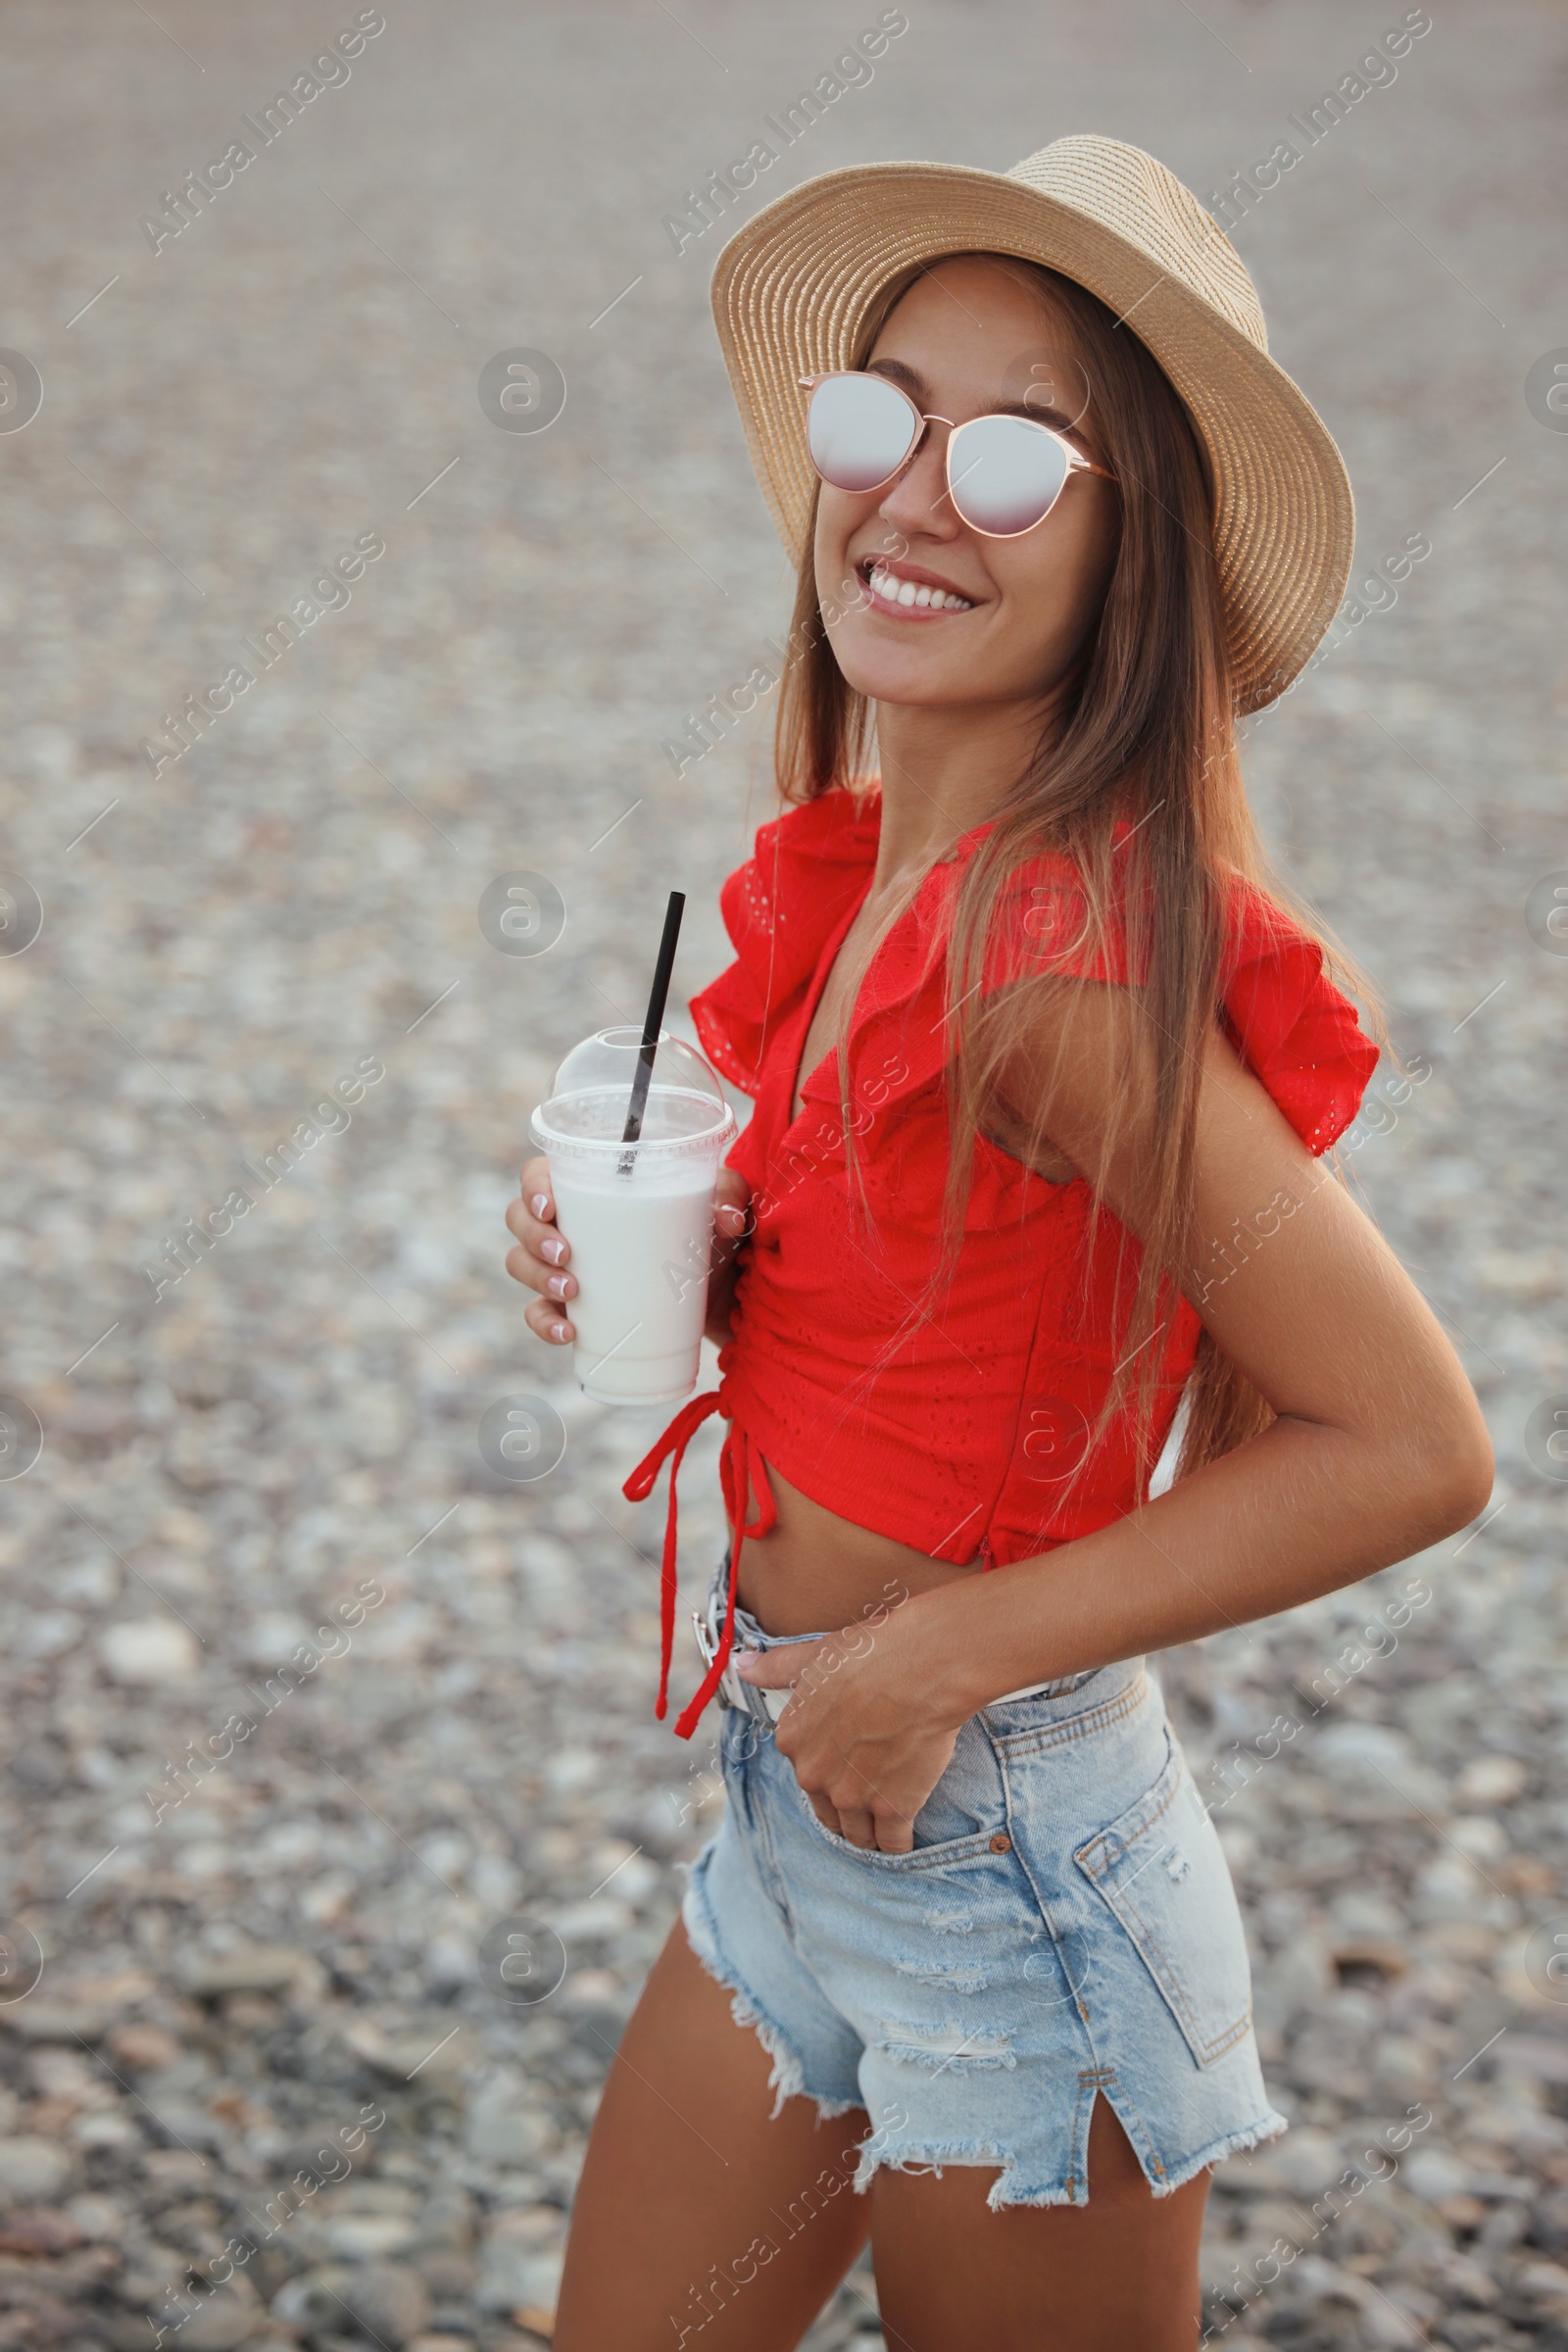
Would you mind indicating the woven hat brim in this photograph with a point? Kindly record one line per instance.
(790, 291)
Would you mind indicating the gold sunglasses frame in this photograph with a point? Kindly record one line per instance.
(923, 419)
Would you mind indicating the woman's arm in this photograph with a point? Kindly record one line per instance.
(1379, 1449)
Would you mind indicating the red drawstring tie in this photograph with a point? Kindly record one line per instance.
(742, 1473)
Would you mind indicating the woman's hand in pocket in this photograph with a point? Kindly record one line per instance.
(864, 1749)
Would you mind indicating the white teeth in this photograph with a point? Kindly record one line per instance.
(895, 591)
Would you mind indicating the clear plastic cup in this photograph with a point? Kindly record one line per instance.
(639, 1216)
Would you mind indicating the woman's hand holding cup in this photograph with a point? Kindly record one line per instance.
(542, 1258)
(732, 1225)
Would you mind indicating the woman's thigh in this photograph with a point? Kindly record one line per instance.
(1120, 2272)
(701, 2218)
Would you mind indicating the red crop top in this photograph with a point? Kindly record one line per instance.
(951, 1430)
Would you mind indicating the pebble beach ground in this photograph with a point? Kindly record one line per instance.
(309, 1701)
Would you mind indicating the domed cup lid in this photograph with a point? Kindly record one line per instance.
(590, 1094)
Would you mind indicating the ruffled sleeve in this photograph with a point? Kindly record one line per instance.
(1296, 1032)
(780, 909)
(1291, 1025)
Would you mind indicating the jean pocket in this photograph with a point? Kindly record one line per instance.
(975, 1845)
(1161, 1869)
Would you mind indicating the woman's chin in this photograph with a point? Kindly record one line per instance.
(918, 675)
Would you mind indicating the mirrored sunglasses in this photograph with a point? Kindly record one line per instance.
(1004, 473)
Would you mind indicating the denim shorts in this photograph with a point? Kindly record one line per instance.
(1065, 1926)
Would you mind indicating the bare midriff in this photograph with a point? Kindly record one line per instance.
(815, 1572)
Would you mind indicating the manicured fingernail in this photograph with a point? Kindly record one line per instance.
(559, 1285)
(554, 1251)
(557, 1331)
(539, 1204)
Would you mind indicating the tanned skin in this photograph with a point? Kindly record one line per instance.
(1379, 1450)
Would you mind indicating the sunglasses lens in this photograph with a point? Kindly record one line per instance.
(858, 430)
(1006, 475)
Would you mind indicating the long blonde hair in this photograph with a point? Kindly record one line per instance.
(1145, 732)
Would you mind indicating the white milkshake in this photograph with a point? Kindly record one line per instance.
(639, 1217)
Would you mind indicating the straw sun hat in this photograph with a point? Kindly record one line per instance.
(792, 290)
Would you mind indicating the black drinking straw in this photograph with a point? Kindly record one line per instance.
(652, 1025)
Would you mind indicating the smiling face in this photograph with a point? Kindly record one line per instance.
(1002, 620)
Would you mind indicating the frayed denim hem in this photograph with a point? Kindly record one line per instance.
(1252, 2135)
(1008, 2190)
(788, 2077)
(929, 2159)
(931, 2156)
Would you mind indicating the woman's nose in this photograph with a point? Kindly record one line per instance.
(917, 502)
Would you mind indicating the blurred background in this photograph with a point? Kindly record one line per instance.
(309, 1698)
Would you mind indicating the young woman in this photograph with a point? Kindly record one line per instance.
(1043, 1079)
